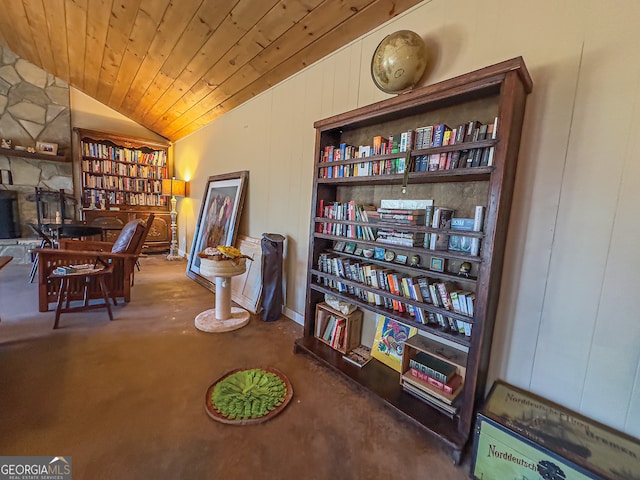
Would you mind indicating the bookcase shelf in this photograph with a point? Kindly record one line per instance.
(495, 92)
(119, 178)
(121, 171)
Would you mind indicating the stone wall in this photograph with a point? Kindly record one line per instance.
(34, 106)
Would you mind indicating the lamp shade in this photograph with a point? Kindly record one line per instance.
(173, 187)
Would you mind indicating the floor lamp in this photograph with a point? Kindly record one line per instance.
(174, 188)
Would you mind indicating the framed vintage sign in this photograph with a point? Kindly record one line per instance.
(218, 219)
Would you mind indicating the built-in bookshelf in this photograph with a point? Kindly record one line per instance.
(410, 208)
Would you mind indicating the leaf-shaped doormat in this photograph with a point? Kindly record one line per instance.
(247, 396)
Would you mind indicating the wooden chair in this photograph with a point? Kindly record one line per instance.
(121, 256)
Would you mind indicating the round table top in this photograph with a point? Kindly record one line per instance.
(75, 231)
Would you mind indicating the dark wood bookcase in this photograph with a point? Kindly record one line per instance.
(495, 91)
(119, 178)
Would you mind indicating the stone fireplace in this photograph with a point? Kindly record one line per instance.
(34, 107)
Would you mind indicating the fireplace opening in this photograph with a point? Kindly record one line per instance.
(9, 218)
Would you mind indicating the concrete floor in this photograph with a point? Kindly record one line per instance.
(125, 399)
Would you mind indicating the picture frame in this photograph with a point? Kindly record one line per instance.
(47, 148)
(437, 264)
(350, 247)
(358, 251)
(401, 258)
(339, 246)
(378, 253)
(218, 220)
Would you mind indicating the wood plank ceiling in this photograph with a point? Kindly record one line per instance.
(176, 65)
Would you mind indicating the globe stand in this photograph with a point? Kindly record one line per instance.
(224, 317)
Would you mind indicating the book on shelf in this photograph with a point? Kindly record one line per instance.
(461, 243)
(429, 389)
(388, 343)
(449, 388)
(359, 356)
(441, 220)
(420, 394)
(436, 349)
(478, 224)
(433, 366)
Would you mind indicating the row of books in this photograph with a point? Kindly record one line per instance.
(109, 182)
(121, 154)
(442, 135)
(445, 295)
(102, 199)
(345, 211)
(125, 169)
(389, 222)
(334, 331)
(474, 157)
(443, 219)
(432, 136)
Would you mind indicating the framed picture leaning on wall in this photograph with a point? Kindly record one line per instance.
(218, 219)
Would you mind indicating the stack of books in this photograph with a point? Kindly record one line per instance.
(429, 377)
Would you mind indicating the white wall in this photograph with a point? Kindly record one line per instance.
(568, 327)
(88, 113)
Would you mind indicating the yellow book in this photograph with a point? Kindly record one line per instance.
(388, 343)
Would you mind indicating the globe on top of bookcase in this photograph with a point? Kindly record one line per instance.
(399, 62)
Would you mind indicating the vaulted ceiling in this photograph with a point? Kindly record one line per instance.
(176, 65)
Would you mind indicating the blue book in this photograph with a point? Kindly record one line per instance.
(460, 243)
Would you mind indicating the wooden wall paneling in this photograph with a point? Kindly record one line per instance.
(97, 26)
(197, 32)
(121, 21)
(262, 26)
(568, 327)
(614, 356)
(176, 18)
(343, 70)
(342, 34)
(56, 21)
(178, 97)
(313, 26)
(293, 40)
(76, 18)
(144, 30)
(38, 24)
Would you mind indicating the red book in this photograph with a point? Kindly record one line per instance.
(449, 387)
